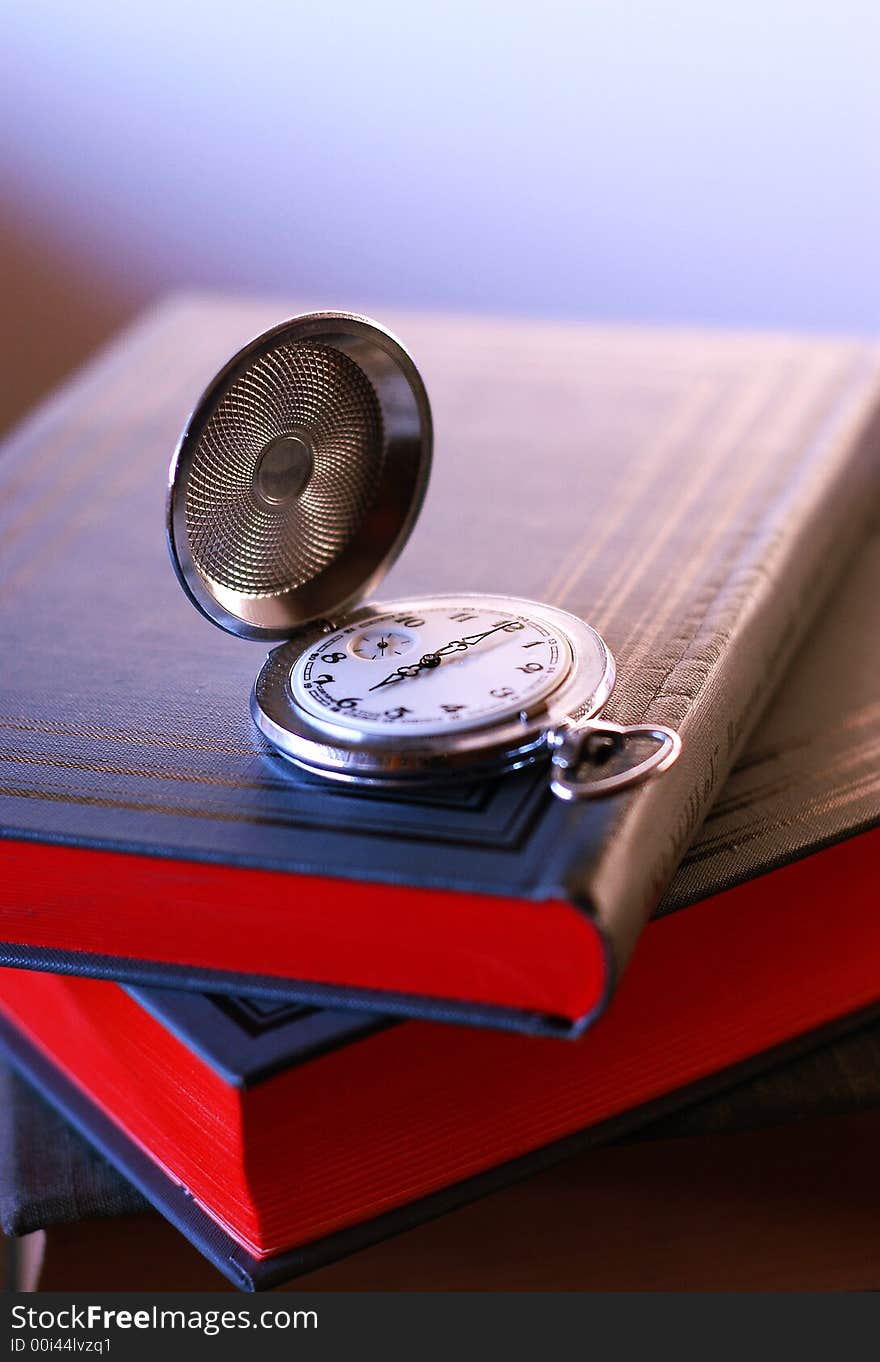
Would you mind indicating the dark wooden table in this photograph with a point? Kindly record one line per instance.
(786, 1208)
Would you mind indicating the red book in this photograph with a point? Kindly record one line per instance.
(274, 1172)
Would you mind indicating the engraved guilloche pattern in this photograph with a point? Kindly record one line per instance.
(261, 528)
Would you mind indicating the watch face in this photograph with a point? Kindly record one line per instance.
(432, 667)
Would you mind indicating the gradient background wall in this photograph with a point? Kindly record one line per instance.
(676, 161)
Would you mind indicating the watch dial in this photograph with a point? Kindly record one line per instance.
(432, 667)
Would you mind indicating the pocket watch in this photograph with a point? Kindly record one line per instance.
(295, 484)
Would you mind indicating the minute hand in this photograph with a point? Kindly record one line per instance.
(431, 660)
(470, 639)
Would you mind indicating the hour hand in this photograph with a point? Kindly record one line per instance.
(412, 669)
(394, 676)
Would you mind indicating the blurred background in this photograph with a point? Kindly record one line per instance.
(685, 161)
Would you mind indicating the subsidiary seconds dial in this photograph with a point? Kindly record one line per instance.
(431, 667)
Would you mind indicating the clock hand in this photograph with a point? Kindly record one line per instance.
(470, 639)
(456, 645)
(411, 669)
(460, 645)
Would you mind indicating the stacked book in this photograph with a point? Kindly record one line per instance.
(298, 1017)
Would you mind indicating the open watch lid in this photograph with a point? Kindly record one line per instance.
(299, 475)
